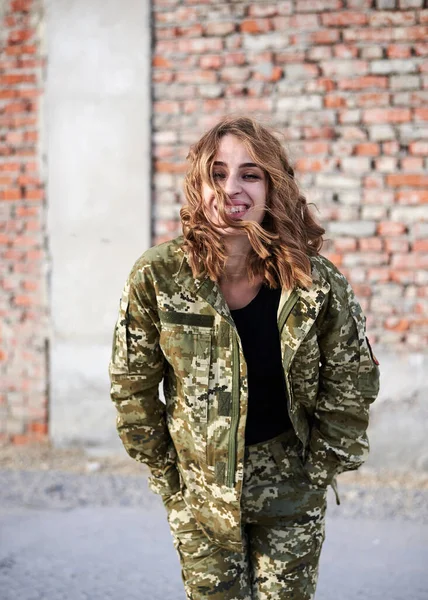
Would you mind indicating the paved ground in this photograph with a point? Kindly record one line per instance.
(71, 537)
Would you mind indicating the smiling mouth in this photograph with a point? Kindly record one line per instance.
(239, 208)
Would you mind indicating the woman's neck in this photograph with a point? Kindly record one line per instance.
(237, 249)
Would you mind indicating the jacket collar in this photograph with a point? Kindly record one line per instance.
(204, 287)
(308, 302)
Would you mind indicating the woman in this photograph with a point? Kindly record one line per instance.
(267, 373)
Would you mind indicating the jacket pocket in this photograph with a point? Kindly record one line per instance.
(368, 370)
(187, 348)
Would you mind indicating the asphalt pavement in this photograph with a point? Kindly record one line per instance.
(70, 537)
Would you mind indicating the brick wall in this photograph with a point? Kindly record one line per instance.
(23, 324)
(347, 84)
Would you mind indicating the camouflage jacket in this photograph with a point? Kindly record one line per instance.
(178, 329)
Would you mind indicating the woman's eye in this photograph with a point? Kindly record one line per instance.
(251, 176)
(218, 175)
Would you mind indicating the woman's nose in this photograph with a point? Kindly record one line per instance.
(232, 185)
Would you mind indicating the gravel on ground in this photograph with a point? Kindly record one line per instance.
(87, 461)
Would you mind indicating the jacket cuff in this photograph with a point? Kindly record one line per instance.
(165, 483)
(321, 472)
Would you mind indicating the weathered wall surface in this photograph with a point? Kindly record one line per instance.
(98, 124)
(23, 257)
(346, 83)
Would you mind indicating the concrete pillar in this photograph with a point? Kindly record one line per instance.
(97, 123)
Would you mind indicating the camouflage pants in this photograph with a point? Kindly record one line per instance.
(283, 530)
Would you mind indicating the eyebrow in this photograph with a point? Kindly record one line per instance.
(219, 163)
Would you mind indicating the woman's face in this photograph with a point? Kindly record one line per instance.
(243, 181)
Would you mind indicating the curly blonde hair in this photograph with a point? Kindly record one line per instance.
(288, 235)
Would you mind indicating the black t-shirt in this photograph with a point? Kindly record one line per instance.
(267, 400)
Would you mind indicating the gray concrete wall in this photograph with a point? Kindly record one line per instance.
(398, 427)
(97, 116)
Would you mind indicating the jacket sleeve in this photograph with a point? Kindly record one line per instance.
(136, 370)
(348, 384)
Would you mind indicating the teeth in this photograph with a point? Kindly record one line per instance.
(235, 209)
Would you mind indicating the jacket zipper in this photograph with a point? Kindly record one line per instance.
(235, 414)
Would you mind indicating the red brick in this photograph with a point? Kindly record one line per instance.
(256, 26)
(390, 228)
(21, 6)
(20, 35)
(394, 245)
(411, 33)
(263, 9)
(223, 28)
(27, 211)
(23, 300)
(373, 99)
(399, 51)
(195, 30)
(39, 428)
(419, 148)
(345, 51)
(391, 115)
(200, 45)
(20, 50)
(367, 149)
(161, 62)
(374, 244)
(391, 148)
(388, 18)
(167, 167)
(360, 83)
(20, 440)
(302, 22)
(280, 23)
(197, 77)
(404, 277)
(213, 61)
(8, 94)
(11, 194)
(368, 35)
(34, 255)
(399, 180)
(326, 36)
(165, 106)
(409, 261)
(163, 77)
(412, 163)
(345, 244)
(16, 107)
(35, 194)
(421, 114)
(343, 19)
(421, 49)
(315, 164)
(17, 78)
(333, 101)
(420, 246)
(396, 324)
(315, 147)
(322, 84)
(412, 197)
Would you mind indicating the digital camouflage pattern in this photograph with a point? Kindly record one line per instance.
(283, 518)
(178, 329)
